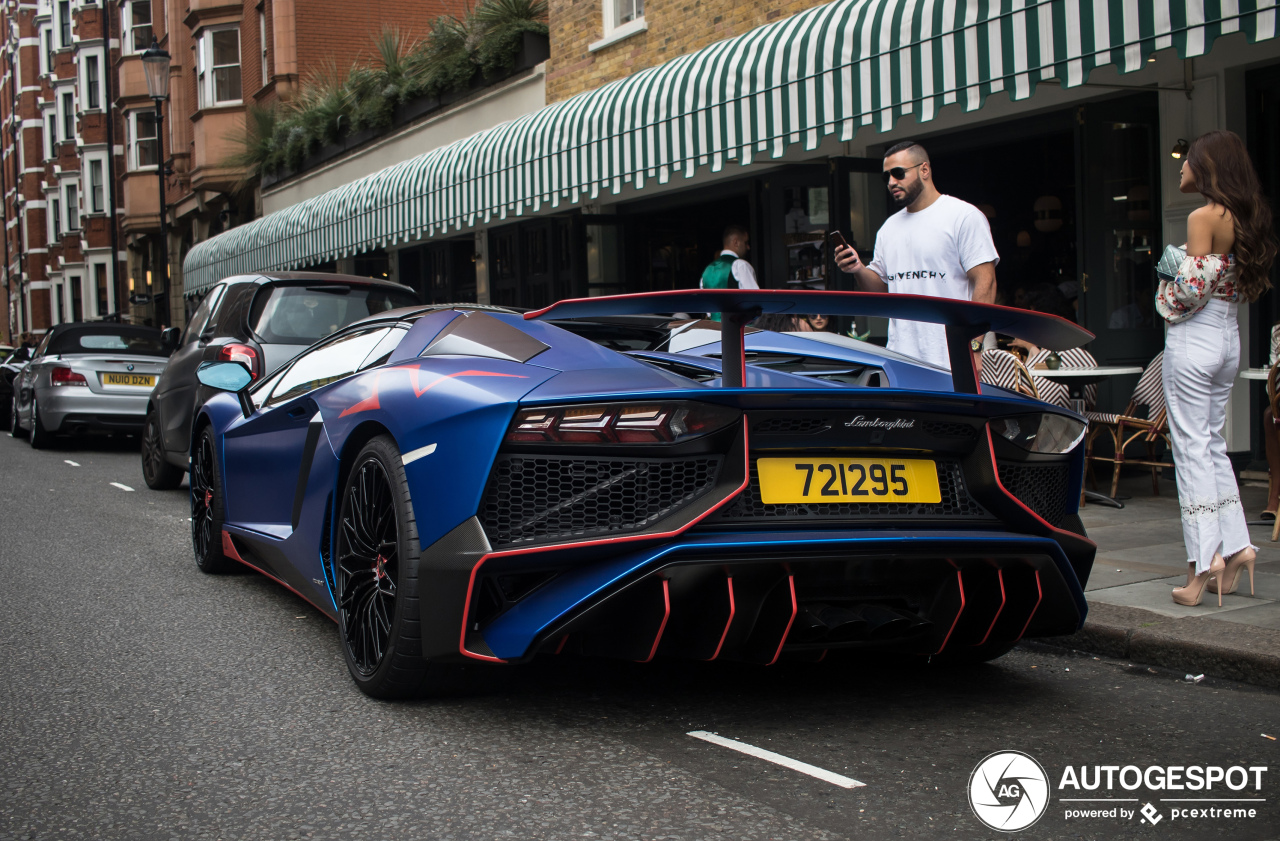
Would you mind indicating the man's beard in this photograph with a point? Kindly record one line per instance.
(909, 195)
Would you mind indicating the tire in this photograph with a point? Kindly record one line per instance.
(41, 438)
(157, 472)
(15, 428)
(207, 511)
(376, 556)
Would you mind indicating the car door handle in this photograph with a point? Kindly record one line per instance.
(300, 412)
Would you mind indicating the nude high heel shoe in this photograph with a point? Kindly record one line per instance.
(1231, 575)
(1192, 593)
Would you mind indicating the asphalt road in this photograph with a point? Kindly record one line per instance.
(142, 699)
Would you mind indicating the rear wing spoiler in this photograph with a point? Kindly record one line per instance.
(964, 320)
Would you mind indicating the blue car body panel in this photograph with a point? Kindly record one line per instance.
(283, 470)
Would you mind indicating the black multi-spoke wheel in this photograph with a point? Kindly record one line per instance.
(157, 472)
(41, 438)
(376, 572)
(206, 507)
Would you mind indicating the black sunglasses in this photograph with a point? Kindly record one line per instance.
(898, 173)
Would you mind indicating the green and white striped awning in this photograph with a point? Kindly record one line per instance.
(826, 71)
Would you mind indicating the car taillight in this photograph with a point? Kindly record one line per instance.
(619, 423)
(65, 376)
(243, 354)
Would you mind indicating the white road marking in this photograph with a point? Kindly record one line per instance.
(121, 487)
(413, 455)
(778, 759)
(72, 463)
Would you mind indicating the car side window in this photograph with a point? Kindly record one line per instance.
(326, 364)
(200, 317)
(387, 346)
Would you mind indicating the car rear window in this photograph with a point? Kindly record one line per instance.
(130, 341)
(300, 315)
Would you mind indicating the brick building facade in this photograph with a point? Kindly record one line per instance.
(598, 41)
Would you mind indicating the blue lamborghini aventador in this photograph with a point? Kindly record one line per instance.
(464, 487)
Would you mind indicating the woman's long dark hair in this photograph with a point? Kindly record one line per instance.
(1225, 175)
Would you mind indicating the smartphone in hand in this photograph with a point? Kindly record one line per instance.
(837, 240)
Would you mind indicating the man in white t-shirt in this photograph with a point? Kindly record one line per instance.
(936, 245)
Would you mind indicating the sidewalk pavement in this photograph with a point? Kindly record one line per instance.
(1141, 557)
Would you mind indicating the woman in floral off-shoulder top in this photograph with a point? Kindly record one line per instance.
(1229, 253)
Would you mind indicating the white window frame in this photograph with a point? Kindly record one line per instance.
(204, 66)
(126, 27)
(63, 26)
(262, 47)
(71, 208)
(96, 160)
(54, 216)
(100, 273)
(56, 290)
(46, 49)
(134, 166)
(51, 133)
(614, 28)
(66, 132)
(85, 88)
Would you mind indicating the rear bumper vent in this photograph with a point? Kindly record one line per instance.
(1041, 487)
(546, 499)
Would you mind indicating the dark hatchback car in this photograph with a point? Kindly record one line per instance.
(261, 321)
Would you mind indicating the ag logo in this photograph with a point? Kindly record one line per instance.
(1008, 791)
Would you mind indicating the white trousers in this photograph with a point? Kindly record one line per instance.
(1201, 357)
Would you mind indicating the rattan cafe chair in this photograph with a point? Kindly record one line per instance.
(1127, 427)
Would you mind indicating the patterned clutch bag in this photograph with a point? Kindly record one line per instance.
(1170, 262)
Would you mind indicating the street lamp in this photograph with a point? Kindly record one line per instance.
(155, 64)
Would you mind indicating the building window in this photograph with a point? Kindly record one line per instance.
(97, 187)
(92, 83)
(51, 136)
(77, 298)
(145, 151)
(72, 192)
(136, 25)
(68, 116)
(64, 22)
(621, 19)
(55, 219)
(218, 67)
(101, 289)
(46, 39)
(57, 303)
(627, 11)
(262, 41)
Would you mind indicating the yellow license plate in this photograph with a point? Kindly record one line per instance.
(147, 380)
(784, 480)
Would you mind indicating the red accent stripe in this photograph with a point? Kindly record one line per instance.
(563, 640)
(999, 610)
(1039, 598)
(732, 610)
(791, 582)
(956, 621)
(666, 604)
(466, 608)
(824, 655)
(368, 404)
(229, 548)
(995, 469)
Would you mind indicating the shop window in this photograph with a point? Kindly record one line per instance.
(804, 233)
(537, 260)
(101, 289)
(218, 67)
(144, 144)
(136, 24)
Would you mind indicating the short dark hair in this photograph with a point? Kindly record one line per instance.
(734, 230)
(919, 153)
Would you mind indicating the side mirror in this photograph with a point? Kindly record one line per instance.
(169, 337)
(228, 376)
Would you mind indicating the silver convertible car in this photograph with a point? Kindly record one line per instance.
(87, 377)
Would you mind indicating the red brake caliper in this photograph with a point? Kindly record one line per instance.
(378, 572)
(208, 498)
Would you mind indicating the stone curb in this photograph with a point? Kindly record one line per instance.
(1192, 646)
